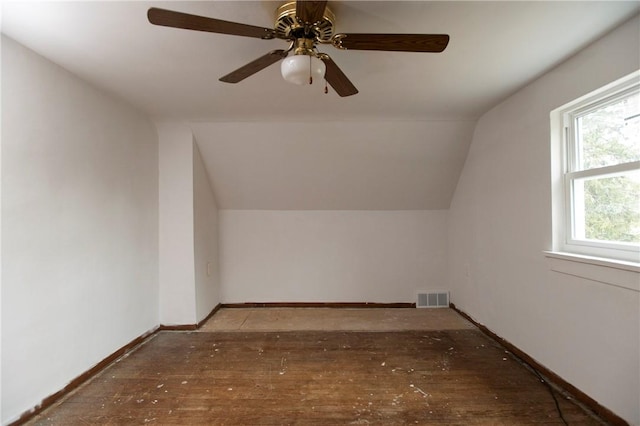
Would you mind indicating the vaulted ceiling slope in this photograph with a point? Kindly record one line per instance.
(400, 143)
(334, 165)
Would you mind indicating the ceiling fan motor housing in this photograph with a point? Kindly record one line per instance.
(287, 26)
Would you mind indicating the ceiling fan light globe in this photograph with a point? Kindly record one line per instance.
(296, 69)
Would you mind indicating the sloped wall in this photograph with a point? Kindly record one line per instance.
(500, 223)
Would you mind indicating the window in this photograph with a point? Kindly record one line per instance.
(600, 179)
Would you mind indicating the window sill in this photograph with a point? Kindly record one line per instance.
(615, 273)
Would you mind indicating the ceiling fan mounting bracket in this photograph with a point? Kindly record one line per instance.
(337, 41)
(288, 26)
(268, 34)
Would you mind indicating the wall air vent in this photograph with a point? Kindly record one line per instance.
(433, 300)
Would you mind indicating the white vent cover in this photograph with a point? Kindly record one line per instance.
(433, 300)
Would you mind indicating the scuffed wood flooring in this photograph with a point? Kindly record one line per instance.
(457, 377)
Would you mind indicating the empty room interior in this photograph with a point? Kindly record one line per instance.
(438, 222)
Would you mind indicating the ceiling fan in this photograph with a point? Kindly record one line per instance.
(305, 24)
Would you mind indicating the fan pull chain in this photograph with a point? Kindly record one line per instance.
(310, 75)
(326, 89)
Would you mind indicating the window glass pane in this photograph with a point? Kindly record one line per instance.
(610, 135)
(608, 208)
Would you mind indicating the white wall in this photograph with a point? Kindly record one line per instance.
(205, 223)
(189, 288)
(331, 256)
(176, 242)
(79, 227)
(500, 223)
(1, 416)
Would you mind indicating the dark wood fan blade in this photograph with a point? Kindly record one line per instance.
(336, 78)
(392, 42)
(310, 11)
(169, 18)
(254, 66)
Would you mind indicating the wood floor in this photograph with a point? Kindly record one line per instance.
(230, 375)
(329, 319)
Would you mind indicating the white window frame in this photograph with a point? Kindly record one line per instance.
(566, 170)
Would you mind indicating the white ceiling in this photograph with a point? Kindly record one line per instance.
(172, 74)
